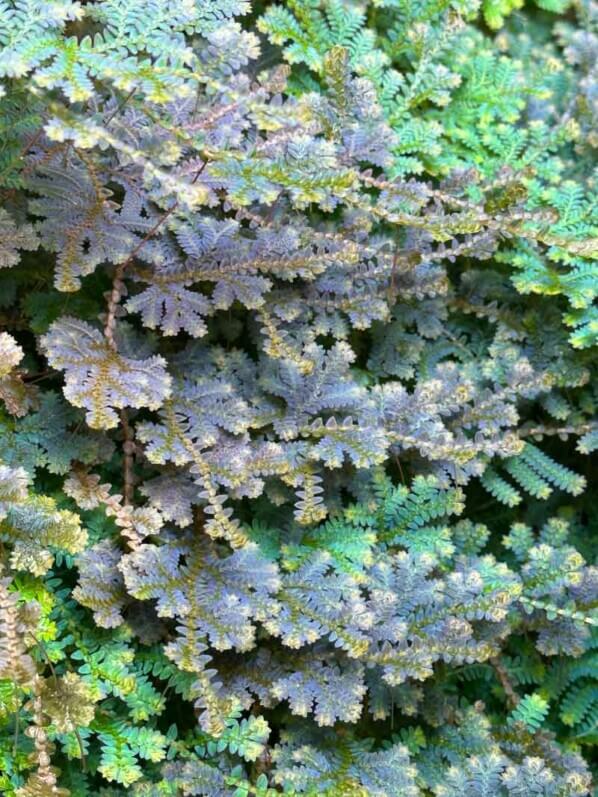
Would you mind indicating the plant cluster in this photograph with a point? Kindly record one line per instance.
(297, 398)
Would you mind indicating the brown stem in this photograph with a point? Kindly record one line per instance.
(120, 106)
(505, 681)
(583, 428)
(118, 288)
(81, 749)
(26, 377)
(398, 464)
(113, 302)
(15, 745)
(32, 142)
(42, 647)
(118, 284)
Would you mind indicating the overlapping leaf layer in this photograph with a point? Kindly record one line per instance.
(297, 398)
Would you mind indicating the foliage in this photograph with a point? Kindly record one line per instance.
(297, 393)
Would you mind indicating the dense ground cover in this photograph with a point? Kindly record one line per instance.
(298, 389)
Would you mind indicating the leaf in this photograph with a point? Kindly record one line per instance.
(68, 701)
(98, 378)
(13, 238)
